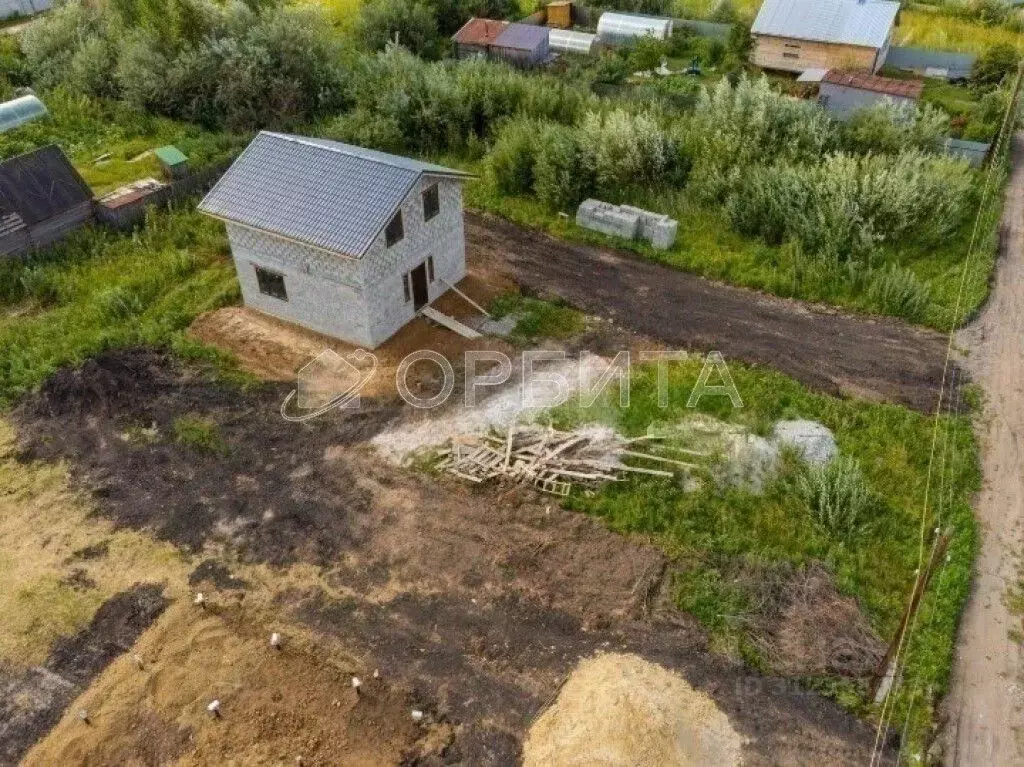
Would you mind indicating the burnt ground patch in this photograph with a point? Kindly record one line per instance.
(479, 600)
(266, 496)
(33, 699)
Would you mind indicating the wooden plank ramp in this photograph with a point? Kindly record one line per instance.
(449, 322)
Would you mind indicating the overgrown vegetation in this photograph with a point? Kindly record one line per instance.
(200, 434)
(536, 319)
(104, 290)
(862, 509)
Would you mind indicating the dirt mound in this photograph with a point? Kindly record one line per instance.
(102, 383)
(619, 709)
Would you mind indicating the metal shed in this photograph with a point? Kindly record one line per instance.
(522, 44)
(173, 161)
(625, 27)
(20, 111)
(568, 41)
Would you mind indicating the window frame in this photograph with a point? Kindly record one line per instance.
(430, 269)
(390, 238)
(264, 278)
(434, 193)
(407, 286)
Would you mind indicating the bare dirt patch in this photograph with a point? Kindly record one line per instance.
(479, 602)
(825, 349)
(33, 699)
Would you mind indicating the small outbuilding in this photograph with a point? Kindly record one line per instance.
(173, 162)
(795, 35)
(617, 28)
(558, 14)
(845, 93)
(17, 112)
(42, 199)
(570, 41)
(522, 45)
(346, 241)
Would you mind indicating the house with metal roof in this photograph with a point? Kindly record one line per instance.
(795, 35)
(42, 199)
(844, 94)
(522, 45)
(346, 241)
(12, 9)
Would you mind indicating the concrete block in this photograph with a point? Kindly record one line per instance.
(608, 219)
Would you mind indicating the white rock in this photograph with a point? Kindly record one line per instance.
(814, 441)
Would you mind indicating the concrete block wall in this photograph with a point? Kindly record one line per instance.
(443, 238)
(325, 292)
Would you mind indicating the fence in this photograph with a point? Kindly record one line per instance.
(705, 28)
(954, 66)
(975, 152)
(127, 216)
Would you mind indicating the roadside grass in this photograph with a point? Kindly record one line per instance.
(537, 319)
(927, 29)
(715, 532)
(100, 290)
(707, 246)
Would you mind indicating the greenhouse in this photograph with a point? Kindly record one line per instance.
(626, 27)
(20, 111)
(567, 41)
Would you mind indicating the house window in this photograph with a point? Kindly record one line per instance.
(430, 268)
(407, 287)
(394, 231)
(790, 55)
(431, 203)
(271, 283)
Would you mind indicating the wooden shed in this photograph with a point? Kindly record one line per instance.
(42, 199)
(522, 45)
(559, 14)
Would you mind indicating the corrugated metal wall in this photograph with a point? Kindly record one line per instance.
(920, 59)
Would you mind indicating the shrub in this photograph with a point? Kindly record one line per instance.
(413, 24)
(735, 126)
(899, 292)
(993, 66)
(837, 495)
(623, 149)
(890, 128)
(646, 54)
(561, 177)
(514, 155)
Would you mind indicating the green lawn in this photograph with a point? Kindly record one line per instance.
(729, 542)
(929, 29)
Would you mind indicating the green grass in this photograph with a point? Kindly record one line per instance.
(100, 290)
(200, 434)
(925, 29)
(89, 129)
(746, 10)
(706, 245)
(343, 13)
(727, 541)
(536, 319)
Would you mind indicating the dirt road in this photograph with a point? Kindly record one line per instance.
(827, 350)
(986, 703)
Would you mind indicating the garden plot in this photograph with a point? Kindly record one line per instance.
(477, 605)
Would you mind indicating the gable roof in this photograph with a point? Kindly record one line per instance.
(40, 184)
(888, 86)
(333, 196)
(849, 22)
(523, 37)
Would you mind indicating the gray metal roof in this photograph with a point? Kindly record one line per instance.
(524, 37)
(330, 195)
(849, 22)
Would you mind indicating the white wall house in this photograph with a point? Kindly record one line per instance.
(346, 241)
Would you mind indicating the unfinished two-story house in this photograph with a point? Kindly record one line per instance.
(346, 241)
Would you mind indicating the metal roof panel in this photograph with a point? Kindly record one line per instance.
(849, 22)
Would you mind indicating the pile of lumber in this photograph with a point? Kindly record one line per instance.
(555, 461)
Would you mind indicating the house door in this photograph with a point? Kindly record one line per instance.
(420, 295)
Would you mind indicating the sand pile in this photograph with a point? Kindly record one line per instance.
(621, 710)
